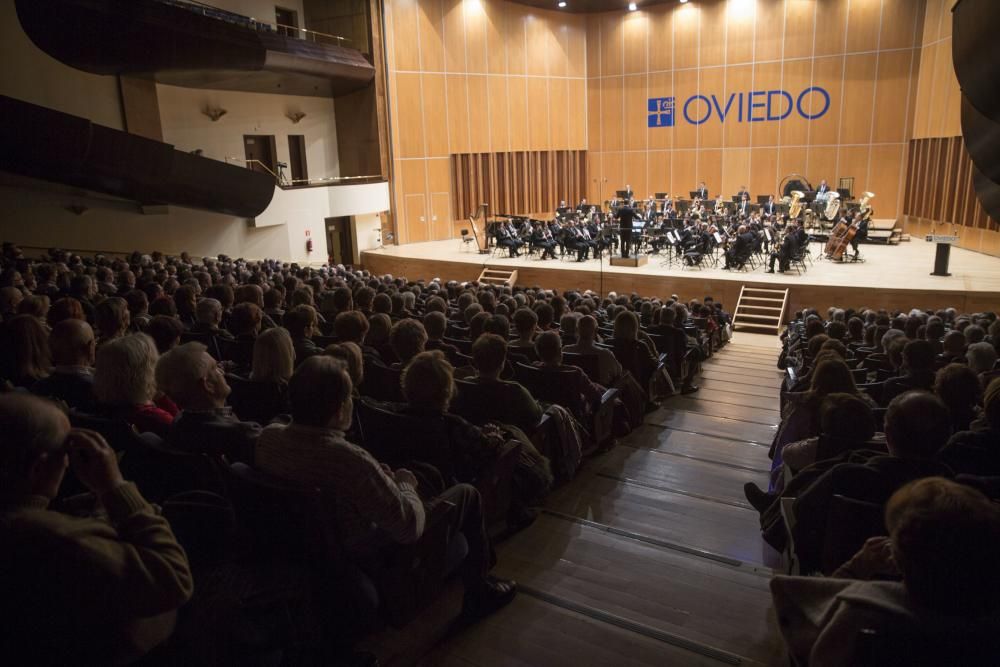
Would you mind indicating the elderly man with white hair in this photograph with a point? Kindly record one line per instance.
(196, 382)
(79, 590)
(982, 357)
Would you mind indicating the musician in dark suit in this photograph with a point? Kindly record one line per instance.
(506, 238)
(541, 238)
(784, 253)
(822, 190)
(770, 207)
(626, 214)
(740, 249)
(744, 206)
(702, 191)
(629, 195)
(583, 207)
(861, 235)
(743, 193)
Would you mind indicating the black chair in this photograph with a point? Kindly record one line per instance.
(398, 440)
(849, 523)
(161, 471)
(324, 341)
(555, 386)
(208, 340)
(464, 345)
(382, 382)
(588, 363)
(257, 401)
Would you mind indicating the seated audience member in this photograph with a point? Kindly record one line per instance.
(958, 388)
(24, 351)
(548, 347)
(526, 325)
(138, 308)
(917, 370)
(954, 348)
(982, 358)
(351, 355)
(633, 354)
(352, 327)
(10, 299)
(165, 332)
(244, 324)
(845, 423)
(112, 319)
(208, 315)
(195, 382)
(977, 451)
(186, 300)
(65, 309)
(916, 428)
(944, 543)
(586, 335)
(266, 395)
(79, 590)
(125, 384)
(407, 339)
(72, 378)
(379, 327)
(302, 325)
(801, 413)
(36, 305)
(435, 325)
(376, 506)
(677, 346)
(504, 401)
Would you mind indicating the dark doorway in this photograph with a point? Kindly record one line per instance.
(260, 152)
(287, 21)
(340, 240)
(297, 159)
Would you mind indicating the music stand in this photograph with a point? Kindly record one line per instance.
(621, 194)
(762, 199)
(693, 193)
(660, 195)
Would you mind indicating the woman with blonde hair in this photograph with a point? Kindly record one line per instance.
(125, 384)
(265, 395)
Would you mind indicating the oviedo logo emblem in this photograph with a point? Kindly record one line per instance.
(751, 107)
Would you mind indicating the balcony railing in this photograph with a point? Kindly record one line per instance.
(257, 24)
(282, 180)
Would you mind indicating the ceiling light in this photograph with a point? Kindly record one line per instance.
(683, 2)
(631, 7)
(561, 5)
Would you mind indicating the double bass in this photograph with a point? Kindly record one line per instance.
(840, 238)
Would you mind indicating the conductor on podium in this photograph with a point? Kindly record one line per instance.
(625, 216)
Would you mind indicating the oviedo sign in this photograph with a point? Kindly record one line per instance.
(751, 107)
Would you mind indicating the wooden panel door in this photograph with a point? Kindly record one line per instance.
(416, 218)
(441, 219)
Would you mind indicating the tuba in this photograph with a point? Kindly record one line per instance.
(832, 206)
(865, 208)
(795, 207)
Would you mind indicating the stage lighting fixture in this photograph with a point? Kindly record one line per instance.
(561, 5)
(632, 7)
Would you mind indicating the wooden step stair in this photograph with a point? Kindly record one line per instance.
(760, 310)
(498, 276)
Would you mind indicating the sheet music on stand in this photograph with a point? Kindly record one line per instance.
(767, 233)
(671, 236)
(718, 237)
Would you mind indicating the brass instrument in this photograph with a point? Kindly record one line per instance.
(832, 206)
(865, 208)
(720, 207)
(795, 205)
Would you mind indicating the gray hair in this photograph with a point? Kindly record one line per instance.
(125, 371)
(180, 371)
(981, 357)
(208, 311)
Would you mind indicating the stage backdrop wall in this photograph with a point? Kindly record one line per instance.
(475, 76)
(744, 92)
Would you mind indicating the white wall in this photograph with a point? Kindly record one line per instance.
(262, 10)
(29, 74)
(187, 128)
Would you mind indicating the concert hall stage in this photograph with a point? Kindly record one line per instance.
(891, 277)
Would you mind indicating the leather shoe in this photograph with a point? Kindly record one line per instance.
(690, 389)
(494, 594)
(760, 500)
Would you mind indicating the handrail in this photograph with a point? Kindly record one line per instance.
(326, 179)
(257, 162)
(253, 23)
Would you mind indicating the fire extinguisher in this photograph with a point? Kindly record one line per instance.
(309, 245)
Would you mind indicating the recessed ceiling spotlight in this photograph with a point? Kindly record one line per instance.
(684, 2)
(632, 7)
(561, 5)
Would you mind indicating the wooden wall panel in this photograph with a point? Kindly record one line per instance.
(710, 170)
(684, 174)
(800, 27)
(939, 190)
(825, 131)
(796, 75)
(458, 85)
(769, 39)
(741, 22)
(658, 168)
(735, 169)
(712, 42)
(635, 33)
(891, 87)
(685, 85)
(710, 132)
(764, 177)
(831, 28)
(661, 39)
(859, 97)
(612, 45)
(612, 132)
(687, 35)
(435, 112)
(634, 97)
(864, 18)
(634, 173)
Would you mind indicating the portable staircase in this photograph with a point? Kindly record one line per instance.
(498, 276)
(760, 310)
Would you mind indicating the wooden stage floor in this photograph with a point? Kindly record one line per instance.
(891, 276)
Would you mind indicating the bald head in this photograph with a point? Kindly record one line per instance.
(72, 343)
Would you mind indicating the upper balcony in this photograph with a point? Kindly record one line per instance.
(193, 45)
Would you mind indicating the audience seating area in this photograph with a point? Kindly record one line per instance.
(458, 391)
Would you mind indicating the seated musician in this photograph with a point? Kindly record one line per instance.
(783, 254)
(507, 238)
(862, 234)
(575, 241)
(770, 208)
(699, 245)
(583, 206)
(541, 238)
(601, 242)
(740, 249)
